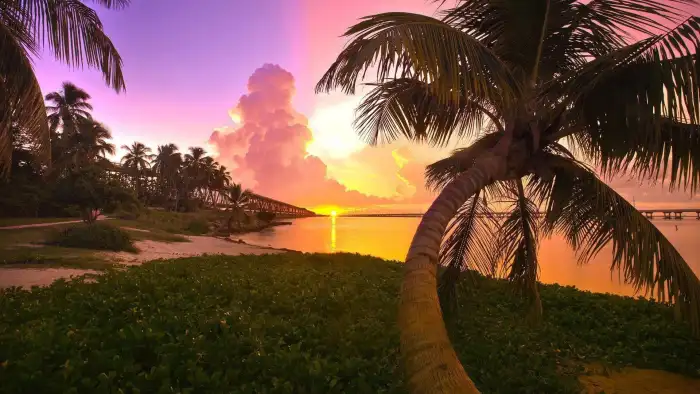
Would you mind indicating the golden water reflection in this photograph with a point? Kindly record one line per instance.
(389, 238)
(333, 217)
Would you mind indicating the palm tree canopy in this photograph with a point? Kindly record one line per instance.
(73, 32)
(137, 157)
(68, 107)
(237, 196)
(617, 81)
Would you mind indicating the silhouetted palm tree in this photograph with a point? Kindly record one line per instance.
(194, 168)
(523, 77)
(238, 199)
(68, 108)
(220, 181)
(73, 32)
(136, 161)
(86, 145)
(166, 165)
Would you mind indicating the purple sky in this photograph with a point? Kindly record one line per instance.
(185, 65)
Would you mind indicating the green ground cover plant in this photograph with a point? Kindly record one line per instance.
(98, 236)
(308, 323)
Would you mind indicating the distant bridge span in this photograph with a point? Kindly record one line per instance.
(258, 203)
(649, 213)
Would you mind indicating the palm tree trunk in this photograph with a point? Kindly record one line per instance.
(431, 363)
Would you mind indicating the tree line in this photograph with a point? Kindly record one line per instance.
(79, 169)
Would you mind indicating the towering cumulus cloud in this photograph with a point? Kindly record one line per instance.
(266, 150)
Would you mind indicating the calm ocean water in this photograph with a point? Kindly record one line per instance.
(389, 238)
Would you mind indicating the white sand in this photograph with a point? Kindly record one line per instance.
(152, 250)
(28, 277)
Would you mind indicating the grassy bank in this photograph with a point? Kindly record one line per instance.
(27, 247)
(307, 323)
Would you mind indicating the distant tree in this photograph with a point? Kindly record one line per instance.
(88, 190)
(136, 161)
(73, 33)
(238, 199)
(265, 216)
(166, 165)
(68, 108)
(86, 145)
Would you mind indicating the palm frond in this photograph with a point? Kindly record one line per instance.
(75, 35)
(638, 105)
(590, 215)
(407, 107)
(442, 172)
(519, 234)
(113, 4)
(416, 46)
(468, 247)
(22, 102)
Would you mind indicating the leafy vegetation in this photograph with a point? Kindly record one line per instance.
(99, 236)
(308, 323)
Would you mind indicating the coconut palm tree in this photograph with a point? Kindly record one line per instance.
(136, 161)
(166, 165)
(194, 167)
(238, 199)
(87, 144)
(614, 81)
(68, 108)
(73, 32)
(220, 181)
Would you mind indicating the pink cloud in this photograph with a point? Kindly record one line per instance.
(267, 150)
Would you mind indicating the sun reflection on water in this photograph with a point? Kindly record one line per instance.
(333, 233)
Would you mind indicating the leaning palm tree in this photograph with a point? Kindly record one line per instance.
(68, 108)
(73, 32)
(614, 81)
(136, 160)
(238, 199)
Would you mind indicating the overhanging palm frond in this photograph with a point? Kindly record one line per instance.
(442, 172)
(517, 244)
(590, 215)
(421, 47)
(75, 34)
(407, 107)
(630, 108)
(113, 4)
(22, 100)
(468, 246)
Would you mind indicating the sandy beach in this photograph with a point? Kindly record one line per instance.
(149, 250)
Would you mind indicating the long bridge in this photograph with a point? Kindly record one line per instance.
(258, 203)
(668, 214)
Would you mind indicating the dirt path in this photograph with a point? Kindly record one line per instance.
(28, 277)
(20, 226)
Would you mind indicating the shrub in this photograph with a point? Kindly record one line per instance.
(197, 226)
(99, 236)
(266, 217)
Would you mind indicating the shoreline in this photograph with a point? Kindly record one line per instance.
(149, 250)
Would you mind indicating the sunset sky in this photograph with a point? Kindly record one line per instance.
(237, 78)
